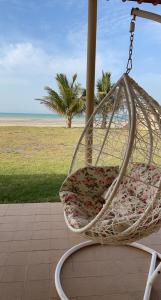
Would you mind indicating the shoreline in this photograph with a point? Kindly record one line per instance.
(31, 122)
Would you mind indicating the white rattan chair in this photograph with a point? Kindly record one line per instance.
(112, 194)
(117, 198)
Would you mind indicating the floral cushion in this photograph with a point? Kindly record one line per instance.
(81, 193)
(135, 192)
(148, 174)
(140, 185)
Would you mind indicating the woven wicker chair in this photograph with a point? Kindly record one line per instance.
(116, 199)
(120, 203)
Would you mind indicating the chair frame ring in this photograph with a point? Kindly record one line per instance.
(154, 269)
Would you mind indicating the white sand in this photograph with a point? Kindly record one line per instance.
(38, 122)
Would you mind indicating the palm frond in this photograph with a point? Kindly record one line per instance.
(77, 107)
(104, 84)
(53, 101)
(73, 79)
(68, 101)
(52, 93)
(65, 89)
(56, 106)
(99, 85)
(62, 80)
(77, 90)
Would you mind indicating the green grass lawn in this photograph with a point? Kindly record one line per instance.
(34, 162)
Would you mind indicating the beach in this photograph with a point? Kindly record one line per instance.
(37, 120)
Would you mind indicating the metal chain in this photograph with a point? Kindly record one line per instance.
(130, 62)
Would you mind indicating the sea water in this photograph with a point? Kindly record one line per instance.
(54, 116)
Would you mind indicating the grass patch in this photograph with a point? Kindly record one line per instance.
(34, 162)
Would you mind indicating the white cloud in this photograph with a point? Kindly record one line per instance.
(25, 59)
(15, 56)
(29, 66)
(25, 69)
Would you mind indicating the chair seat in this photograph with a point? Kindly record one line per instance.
(81, 193)
(82, 201)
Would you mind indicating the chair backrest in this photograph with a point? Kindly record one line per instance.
(90, 180)
(141, 182)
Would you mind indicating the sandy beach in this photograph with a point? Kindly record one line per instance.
(36, 122)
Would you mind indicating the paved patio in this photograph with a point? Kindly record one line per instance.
(32, 239)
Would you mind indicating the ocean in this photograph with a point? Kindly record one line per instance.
(29, 119)
(30, 116)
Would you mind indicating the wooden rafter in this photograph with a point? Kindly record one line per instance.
(154, 2)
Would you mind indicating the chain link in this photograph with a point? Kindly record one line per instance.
(130, 62)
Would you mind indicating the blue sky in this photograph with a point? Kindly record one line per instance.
(41, 38)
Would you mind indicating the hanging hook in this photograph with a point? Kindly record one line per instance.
(132, 30)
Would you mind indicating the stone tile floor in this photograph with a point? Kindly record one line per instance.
(32, 239)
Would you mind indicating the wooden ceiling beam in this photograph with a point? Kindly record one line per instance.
(154, 2)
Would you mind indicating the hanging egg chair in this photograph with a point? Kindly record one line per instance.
(112, 194)
(117, 199)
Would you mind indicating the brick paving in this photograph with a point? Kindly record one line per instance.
(32, 239)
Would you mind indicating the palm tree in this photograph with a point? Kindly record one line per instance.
(103, 87)
(68, 101)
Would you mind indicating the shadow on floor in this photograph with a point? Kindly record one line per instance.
(30, 188)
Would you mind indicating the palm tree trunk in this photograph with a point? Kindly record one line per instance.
(104, 120)
(69, 122)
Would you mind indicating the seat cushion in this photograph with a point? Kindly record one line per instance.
(81, 193)
(135, 192)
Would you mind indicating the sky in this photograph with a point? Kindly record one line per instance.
(39, 38)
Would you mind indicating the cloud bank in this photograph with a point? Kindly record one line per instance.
(28, 64)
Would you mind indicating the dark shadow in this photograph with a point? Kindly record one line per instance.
(30, 188)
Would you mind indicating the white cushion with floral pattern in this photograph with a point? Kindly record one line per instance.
(81, 193)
